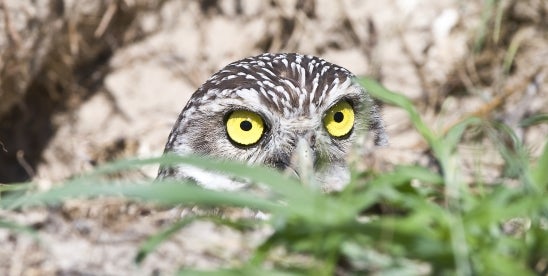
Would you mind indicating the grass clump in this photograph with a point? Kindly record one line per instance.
(431, 221)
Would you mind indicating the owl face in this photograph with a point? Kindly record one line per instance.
(265, 109)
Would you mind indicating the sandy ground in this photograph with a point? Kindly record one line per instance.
(419, 48)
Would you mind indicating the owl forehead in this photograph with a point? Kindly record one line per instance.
(288, 84)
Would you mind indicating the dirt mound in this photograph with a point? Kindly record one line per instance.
(54, 55)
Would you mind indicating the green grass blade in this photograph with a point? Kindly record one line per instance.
(442, 149)
(153, 242)
(289, 188)
(14, 188)
(17, 228)
(540, 171)
(380, 92)
(299, 197)
(454, 134)
(534, 120)
(171, 192)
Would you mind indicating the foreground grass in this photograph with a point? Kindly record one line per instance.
(432, 222)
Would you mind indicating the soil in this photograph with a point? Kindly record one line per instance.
(450, 57)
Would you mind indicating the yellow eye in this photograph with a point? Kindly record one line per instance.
(339, 119)
(244, 127)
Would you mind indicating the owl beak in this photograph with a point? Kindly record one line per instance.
(303, 159)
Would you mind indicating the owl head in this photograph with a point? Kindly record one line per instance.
(267, 108)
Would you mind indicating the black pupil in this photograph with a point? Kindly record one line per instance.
(338, 117)
(245, 125)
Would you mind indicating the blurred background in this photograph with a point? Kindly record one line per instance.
(84, 82)
(89, 81)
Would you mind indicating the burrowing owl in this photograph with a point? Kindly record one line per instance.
(259, 109)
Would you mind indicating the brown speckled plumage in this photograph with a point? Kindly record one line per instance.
(291, 92)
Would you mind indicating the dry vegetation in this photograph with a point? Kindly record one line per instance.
(86, 82)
